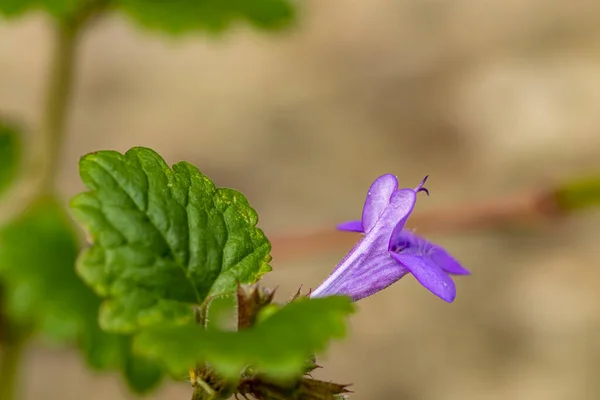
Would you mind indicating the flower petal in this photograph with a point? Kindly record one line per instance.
(402, 204)
(362, 276)
(446, 262)
(404, 199)
(429, 275)
(351, 226)
(378, 199)
(407, 242)
(368, 267)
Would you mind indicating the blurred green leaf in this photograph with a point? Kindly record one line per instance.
(41, 290)
(164, 239)
(10, 154)
(170, 16)
(11, 8)
(142, 374)
(56, 8)
(579, 194)
(37, 255)
(179, 16)
(277, 346)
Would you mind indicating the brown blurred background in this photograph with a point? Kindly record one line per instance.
(488, 97)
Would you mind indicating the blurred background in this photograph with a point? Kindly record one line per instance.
(489, 98)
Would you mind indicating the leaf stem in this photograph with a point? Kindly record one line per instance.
(201, 313)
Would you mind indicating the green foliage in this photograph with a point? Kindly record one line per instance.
(164, 239)
(56, 8)
(277, 346)
(179, 16)
(42, 293)
(171, 16)
(10, 154)
(37, 255)
(141, 373)
(579, 194)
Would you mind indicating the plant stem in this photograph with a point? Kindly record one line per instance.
(57, 100)
(39, 176)
(41, 162)
(9, 367)
(42, 166)
(40, 169)
(60, 87)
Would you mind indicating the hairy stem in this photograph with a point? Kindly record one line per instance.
(201, 313)
(202, 390)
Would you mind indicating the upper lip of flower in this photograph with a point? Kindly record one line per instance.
(387, 252)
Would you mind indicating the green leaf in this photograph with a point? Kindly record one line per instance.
(56, 8)
(142, 374)
(37, 255)
(164, 239)
(277, 346)
(41, 290)
(11, 8)
(180, 16)
(10, 153)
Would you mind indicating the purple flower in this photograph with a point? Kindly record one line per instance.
(387, 251)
